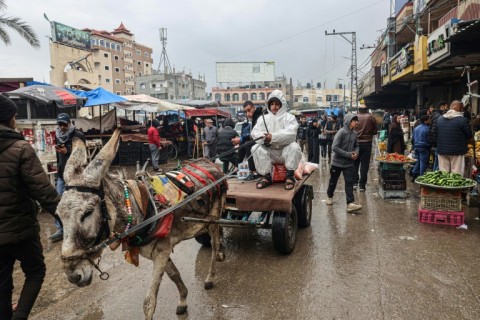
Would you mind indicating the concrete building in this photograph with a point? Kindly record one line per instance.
(310, 97)
(110, 60)
(171, 86)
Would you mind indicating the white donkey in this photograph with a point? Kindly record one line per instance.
(93, 208)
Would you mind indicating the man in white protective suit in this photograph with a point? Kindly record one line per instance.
(279, 129)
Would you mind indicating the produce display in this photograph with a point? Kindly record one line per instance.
(446, 179)
(394, 157)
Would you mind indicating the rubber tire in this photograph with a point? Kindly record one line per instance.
(204, 239)
(303, 204)
(284, 231)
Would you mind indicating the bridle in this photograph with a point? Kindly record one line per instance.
(102, 234)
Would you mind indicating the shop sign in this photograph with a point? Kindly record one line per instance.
(70, 36)
(437, 48)
(384, 69)
(420, 54)
(402, 63)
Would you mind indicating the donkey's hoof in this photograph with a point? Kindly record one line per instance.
(220, 256)
(208, 285)
(181, 310)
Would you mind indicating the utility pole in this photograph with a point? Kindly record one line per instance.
(353, 70)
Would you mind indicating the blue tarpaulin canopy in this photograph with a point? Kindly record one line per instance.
(98, 96)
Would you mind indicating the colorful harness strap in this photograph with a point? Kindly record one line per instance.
(196, 176)
(208, 174)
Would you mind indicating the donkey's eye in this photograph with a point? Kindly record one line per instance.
(86, 214)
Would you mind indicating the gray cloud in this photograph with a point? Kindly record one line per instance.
(203, 32)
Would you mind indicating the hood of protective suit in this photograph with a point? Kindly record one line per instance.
(280, 96)
(348, 118)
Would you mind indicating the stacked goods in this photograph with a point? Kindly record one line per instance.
(391, 173)
(441, 198)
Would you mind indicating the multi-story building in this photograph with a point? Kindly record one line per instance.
(93, 58)
(257, 92)
(310, 97)
(171, 86)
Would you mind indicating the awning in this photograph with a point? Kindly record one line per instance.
(466, 31)
(98, 96)
(137, 107)
(198, 103)
(161, 105)
(49, 95)
(207, 112)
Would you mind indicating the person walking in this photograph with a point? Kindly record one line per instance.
(313, 142)
(366, 129)
(64, 135)
(23, 183)
(252, 113)
(453, 133)
(421, 147)
(396, 142)
(322, 139)
(302, 133)
(331, 128)
(436, 113)
(225, 144)
(209, 139)
(345, 152)
(154, 142)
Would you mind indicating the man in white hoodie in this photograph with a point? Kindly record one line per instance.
(453, 133)
(279, 129)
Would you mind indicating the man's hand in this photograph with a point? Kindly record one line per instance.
(354, 156)
(204, 142)
(236, 141)
(268, 137)
(61, 149)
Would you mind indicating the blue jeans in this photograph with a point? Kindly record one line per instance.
(60, 188)
(435, 162)
(422, 155)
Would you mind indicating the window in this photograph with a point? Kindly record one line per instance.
(112, 46)
(118, 47)
(329, 97)
(107, 80)
(115, 57)
(218, 97)
(253, 96)
(262, 96)
(107, 44)
(139, 52)
(93, 41)
(227, 96)
(117, 81)
(107, 67)
(335, 97)
(142, 86)
(147, 54)
(154, 85)
(146, 64)
(319, 99)
(139, 63)
(117, 69)
(235, 97)
(305, 99)
(119, 92)
(105, 55)
(102, 43)
(255, 69)
(244, 96)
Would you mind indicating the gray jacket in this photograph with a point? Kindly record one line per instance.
(344, 143)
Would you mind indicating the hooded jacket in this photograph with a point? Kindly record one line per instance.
(22, 182)
(283, 126)
(224, 144)
(453, 131)
(344, 143)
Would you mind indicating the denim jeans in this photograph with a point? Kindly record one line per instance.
(435, 161)
(347, 176)
(422, 156)
(60, 186)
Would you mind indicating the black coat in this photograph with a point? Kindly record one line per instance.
(432, 133)
(63, 158)
(452, 135)
(224, 141)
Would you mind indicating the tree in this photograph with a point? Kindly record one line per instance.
(19, 26)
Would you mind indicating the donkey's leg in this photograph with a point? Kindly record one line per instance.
(174, 275)
(159, 264)
(214, 231)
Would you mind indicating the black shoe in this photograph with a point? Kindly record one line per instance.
(355, 186)
(57, 236)
(362, 188)
(252, 176)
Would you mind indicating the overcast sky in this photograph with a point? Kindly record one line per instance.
(202, 32)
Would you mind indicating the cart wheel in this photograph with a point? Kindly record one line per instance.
(303, 204)
(284, 231)
(204, 239)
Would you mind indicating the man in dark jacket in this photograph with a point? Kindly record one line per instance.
(366, 128)
(433, 130)
(302, 132)
(64, 135)
(252, 114)
(313, 142)
(452, 138)
(22, 182)
(345, 152)
(225, 144)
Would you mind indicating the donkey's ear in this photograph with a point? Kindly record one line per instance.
(97, 169)
(77, 160)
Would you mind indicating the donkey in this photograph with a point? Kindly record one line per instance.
(91, 190)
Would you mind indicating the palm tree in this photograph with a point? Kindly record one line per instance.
(19, 26)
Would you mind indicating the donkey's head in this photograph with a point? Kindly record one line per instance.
(80, 208)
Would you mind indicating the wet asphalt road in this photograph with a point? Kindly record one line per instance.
(379, 264)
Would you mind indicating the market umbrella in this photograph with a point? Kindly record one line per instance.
(46, 94)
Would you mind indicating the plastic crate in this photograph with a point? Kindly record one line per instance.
(441, 203)
(441, 217)
(392, 175)
(385, 166)
(392, 194)
(439, 193)
(389, 185)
